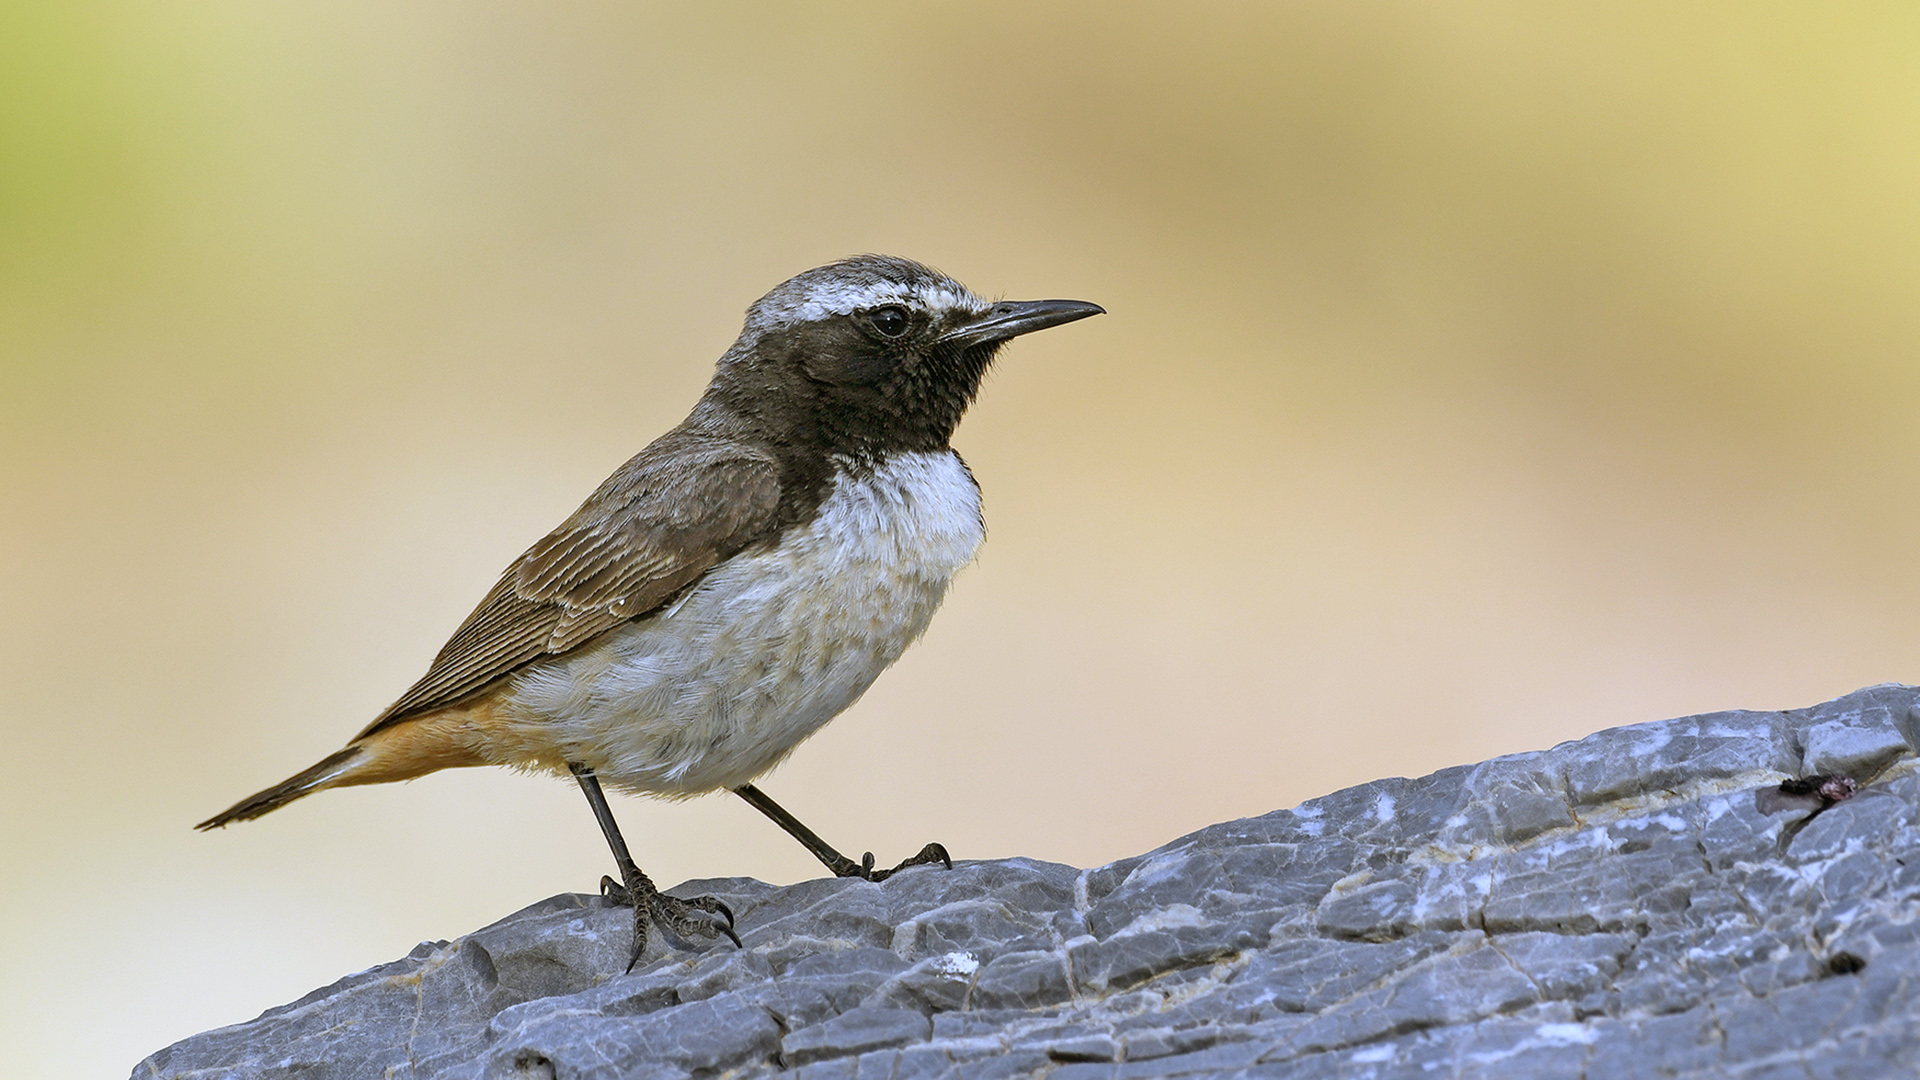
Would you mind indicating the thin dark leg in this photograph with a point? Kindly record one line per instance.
(650, 905)
(836, 862)
(603, 813)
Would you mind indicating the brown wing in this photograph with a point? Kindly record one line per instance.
(653, 528)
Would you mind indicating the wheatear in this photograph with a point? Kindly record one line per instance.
(737, 584)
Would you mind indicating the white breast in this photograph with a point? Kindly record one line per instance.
(767, 647)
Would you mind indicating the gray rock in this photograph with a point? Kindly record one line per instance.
(1647, 901)
(854, 1032)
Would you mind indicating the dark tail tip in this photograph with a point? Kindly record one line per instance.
(303, 783)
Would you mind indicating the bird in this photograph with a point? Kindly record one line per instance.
(735, 585)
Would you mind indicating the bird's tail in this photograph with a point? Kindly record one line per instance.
(446, 739)
(329, 771)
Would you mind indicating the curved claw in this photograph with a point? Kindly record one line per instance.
(672, 912)
(710, 904)
(932, 853)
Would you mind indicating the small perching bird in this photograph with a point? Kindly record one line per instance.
(737, 584)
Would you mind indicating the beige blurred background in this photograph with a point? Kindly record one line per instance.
(1476, 377)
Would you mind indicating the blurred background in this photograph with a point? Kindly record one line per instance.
(1477, 376)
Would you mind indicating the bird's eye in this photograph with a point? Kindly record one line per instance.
(891, 321)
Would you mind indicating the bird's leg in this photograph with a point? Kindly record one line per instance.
(836, 862)
(649, 904)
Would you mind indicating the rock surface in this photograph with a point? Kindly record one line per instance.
(1647, 901)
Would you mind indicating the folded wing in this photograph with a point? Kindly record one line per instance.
(659, 523)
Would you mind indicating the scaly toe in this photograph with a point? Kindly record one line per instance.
(641, 921)
(615, 893)
(932, 853)
(679, 916)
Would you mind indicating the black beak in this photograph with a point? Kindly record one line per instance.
(1011, 318)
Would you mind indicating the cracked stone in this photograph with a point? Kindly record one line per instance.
(1311, 975)
(856, 1032)
(934, 985)
(1023, 980)
(1447, 989)
(720, 1033)
(1862, 733)
(1083, 1048)
(1508, 800)
(1625, 905)
(1168, 944)
(1365, 908)
(1566, 967)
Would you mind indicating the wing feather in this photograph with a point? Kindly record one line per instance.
(659, 523)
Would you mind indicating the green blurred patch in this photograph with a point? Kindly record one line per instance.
(147, 201)
(77, 113)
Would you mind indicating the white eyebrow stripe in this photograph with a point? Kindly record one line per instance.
(847, 298)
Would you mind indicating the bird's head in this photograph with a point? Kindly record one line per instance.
(871, 355)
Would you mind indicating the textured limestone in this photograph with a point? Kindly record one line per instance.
(1647, 901)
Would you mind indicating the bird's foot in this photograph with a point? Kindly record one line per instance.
(932, 853)
(651, 907)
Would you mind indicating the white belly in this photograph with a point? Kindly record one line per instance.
(767, 647)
